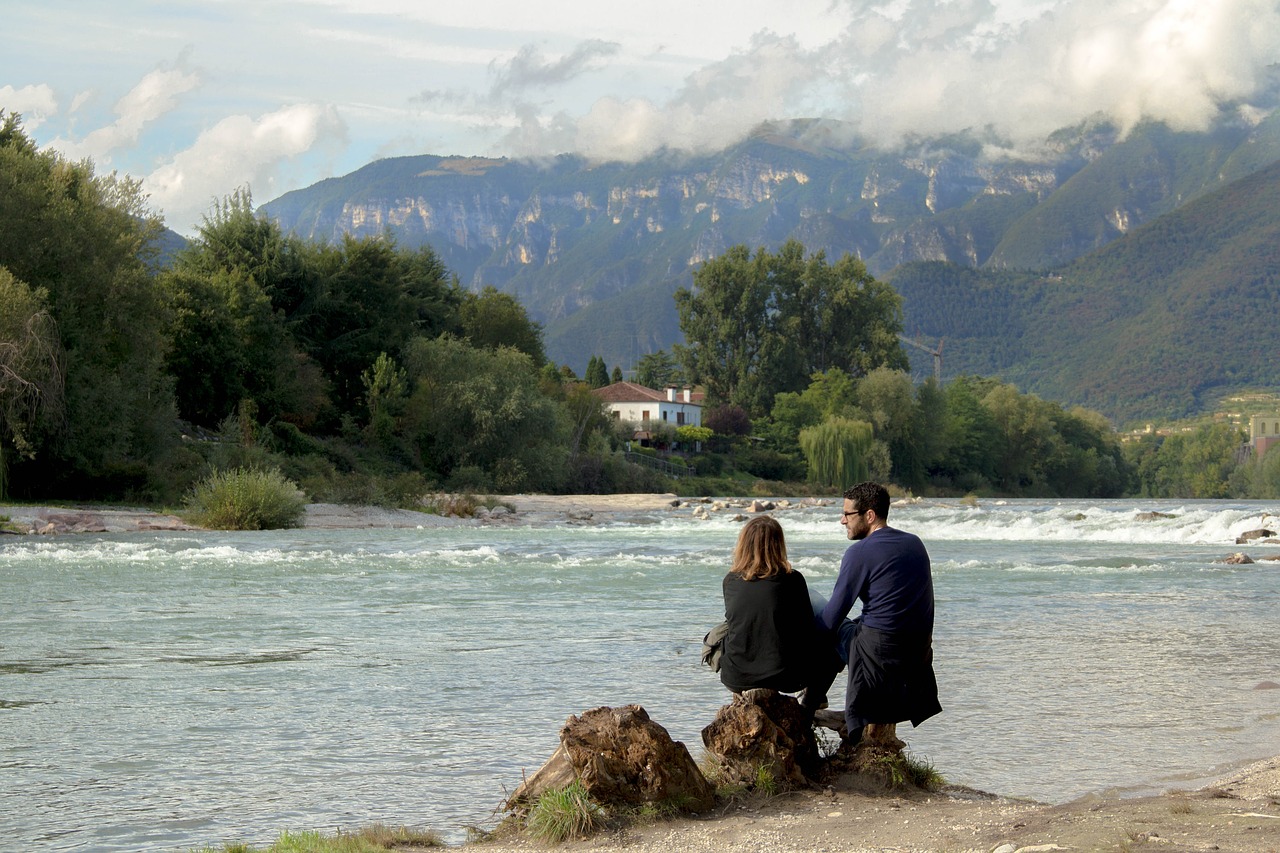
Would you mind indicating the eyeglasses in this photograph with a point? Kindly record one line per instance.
(845, 515)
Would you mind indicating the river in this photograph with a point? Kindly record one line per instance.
(164, 691)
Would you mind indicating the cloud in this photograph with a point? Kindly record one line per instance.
(529, 69)
(35, 103)
(152, 98)
(241, 150)
(926, 67)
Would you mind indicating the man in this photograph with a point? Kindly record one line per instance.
(889, 647)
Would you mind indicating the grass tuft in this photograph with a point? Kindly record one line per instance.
(246, 499)
(765, 782)
(462, 505)
(564, 814)
(372, 839)
(902, 770)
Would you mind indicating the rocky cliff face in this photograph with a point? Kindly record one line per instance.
(568, 235)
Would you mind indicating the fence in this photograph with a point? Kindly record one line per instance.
(671, 469)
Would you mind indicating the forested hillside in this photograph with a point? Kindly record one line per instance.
(595, 250)
(1158, 323)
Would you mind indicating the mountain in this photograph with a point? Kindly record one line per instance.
(595, 250)
(1160, 322)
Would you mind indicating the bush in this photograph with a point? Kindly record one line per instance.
(246, 499)
(708, 464)
(769, 464)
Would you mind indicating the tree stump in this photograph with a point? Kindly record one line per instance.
(763, 729)
(621, 757)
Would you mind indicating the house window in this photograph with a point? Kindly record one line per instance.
(680, 418)
(664, 416)
(644, 416)
(617, 416)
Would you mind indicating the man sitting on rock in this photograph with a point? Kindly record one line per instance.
(889, 647)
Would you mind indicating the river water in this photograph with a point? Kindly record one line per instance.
(164, 691)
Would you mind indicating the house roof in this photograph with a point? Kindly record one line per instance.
(630, 392)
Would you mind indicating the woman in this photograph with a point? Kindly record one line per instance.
(772, 640)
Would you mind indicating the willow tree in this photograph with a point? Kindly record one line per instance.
(836, 451)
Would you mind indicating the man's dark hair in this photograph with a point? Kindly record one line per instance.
(867, 496)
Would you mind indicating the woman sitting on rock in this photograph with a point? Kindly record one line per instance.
(772, 640)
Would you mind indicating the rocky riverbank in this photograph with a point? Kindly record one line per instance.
(512, 509)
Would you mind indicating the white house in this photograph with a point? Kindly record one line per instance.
(644, 406)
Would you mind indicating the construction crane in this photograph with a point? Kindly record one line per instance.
(936, 353)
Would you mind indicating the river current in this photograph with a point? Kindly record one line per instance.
(164, 691)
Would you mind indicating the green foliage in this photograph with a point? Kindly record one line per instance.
(564, 814)
(491, 319)
(691, 434)
(761, 325)
(246, 499)
(597, 375)
(903, 770)
(836, 451)
(1197, 464)
(659, 370)
(485, 409)
(765, 780)
(84, 242)
(768, 464)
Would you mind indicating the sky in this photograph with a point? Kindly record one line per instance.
(197, 100)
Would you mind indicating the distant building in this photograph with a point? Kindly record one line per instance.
(1264, 432)
(644, 406)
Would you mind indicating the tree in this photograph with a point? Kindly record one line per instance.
(761, 325)
(87, 242)
(597, 374)
(491, 319)
(836, 451)
(386, 388)
(887, 399)
(658, 370)
(483, 409)
(241, 299)
(616, 376)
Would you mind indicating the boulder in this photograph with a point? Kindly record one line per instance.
(762, 506)
(620, 757)
(1152, 516)
(1250, 535)
(1238, 559)
(763, 729)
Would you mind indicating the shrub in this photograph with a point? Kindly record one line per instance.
(246, 499)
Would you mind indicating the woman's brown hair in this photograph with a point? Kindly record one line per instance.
(761, 551)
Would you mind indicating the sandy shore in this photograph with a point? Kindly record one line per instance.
(1240, 812)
